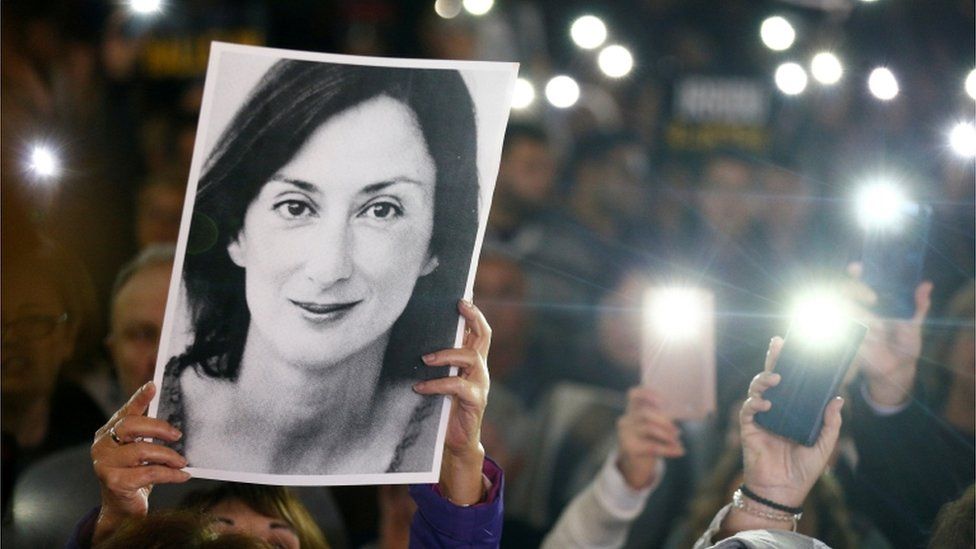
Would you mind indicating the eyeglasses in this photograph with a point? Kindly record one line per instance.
(32, 327)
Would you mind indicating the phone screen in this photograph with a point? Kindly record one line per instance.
(893, 258)
(811, 371)
(678, 350)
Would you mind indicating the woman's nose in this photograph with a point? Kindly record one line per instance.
(330, 255)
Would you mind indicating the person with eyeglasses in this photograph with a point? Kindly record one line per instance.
(46, 297)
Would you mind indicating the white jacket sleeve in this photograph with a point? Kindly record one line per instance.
(600, 516)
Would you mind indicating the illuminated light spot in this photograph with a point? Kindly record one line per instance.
(562, 91)
(523, 95)
(588, 32)
(791, 79)
(448, 9)
(962, 139)
(777, 33)
(883, 84)
(826, 68)
(478, 7)
(615, 61)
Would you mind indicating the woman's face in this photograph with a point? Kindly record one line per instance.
(334, 243)
(235, 516)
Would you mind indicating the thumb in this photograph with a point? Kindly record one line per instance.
(831, 426)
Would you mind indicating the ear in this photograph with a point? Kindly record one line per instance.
(430, 266)
(237, 249)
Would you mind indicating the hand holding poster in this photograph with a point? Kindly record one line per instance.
(334, 217)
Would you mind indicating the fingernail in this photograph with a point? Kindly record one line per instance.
(418, 386)
(429, 357)
(467, 303)
(145, 386)
(177, 435)
(186, 475)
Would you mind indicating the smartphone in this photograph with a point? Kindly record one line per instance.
(811, 372)
(678, 349)
(893, 258)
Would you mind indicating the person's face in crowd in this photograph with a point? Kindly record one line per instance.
(137, 320)
(618, 182)
(235, 516)
(38, 336)
(499, 290)
(334, 243)
(788, 199)
(726, 202)
(158, 215)
(619, 322)
(527, 173)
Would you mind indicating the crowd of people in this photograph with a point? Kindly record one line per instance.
(592, 206)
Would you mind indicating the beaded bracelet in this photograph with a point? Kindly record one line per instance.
(739, 502)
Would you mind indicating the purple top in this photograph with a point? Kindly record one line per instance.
(439, 523)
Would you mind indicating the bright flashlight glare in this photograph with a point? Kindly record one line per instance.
(676, 313)
(880, 205)
(883, 84)
(588, 32)
(448, 9)
(962, 138)
(971, 84)
(818, 318)
(562, 92)
(791, 79)
(826, 68)
(145, 7)
(43, 162)
(478, 7)
(523, 95)
(615, 61)
(777, 33)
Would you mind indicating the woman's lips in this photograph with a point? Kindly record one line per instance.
(325, 311)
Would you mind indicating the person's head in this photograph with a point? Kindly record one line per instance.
(179, 529)
(337, 199)
(47, 299)
(271, 513)
(159, 207)
(499, 291)
(726, 193)
(136, 317)
(609, 173)
(788, 199)
(620, 320)
(528, 169)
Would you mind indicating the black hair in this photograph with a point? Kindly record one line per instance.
(292, 100)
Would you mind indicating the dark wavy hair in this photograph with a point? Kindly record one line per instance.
(292, 100)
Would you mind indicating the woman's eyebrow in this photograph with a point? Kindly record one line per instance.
(303, 185)
(282, 526)
(379, 186)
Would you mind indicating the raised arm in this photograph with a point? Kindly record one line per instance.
(601, 515)
(464, 509)
(778, 473)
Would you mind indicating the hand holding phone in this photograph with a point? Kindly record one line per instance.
(811, 370)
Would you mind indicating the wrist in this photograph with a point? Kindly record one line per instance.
(637, 477)
(783, 496)
(461, 476)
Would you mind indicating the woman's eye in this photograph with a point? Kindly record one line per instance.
(383, 210)
(293, 209)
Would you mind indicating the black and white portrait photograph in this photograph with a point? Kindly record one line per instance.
(334, 216)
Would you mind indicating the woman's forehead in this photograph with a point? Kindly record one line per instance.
(376, 140)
